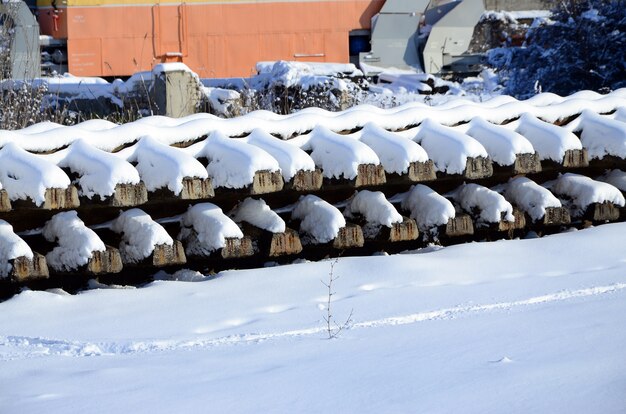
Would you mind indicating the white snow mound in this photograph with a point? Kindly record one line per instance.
(76, 242)
(232, 161)
(25, 175)
(602, 135)
(319, 219)
(395, 152)
(502, 145)
(338, 155)
(140, 235)
(530, 197)
(427, 207)
(584, 191)
(259, 214)
(616, 178)
(549, 140)
(206, 228)
(374, 207)
(291, 159)
(160, 165)
(493, 206)
(447, 147)
(11, 247)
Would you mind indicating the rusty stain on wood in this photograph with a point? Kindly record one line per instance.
(349, 236)
(556, 216)
(422, 171)
(478, 167)
(526, 164)
(128, 195)
(369, 175)
(461, 225)
(197, 188)
(576, 158)
(285, 243)
(108, 261)
(307, 180)
(164, 255)
(237, 248)
(267, 182)
(25, 269)
(5, 203)
(61, 198)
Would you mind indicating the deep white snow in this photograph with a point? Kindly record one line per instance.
(530, 197)
(11, 247)
(512, 326)
(427, 207)
(374, 207)
(492, 207)
(584, 191)
(205, 228)
(259, 214)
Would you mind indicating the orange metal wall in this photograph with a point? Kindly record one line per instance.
(215, 39)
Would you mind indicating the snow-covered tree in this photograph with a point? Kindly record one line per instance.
(581, 46)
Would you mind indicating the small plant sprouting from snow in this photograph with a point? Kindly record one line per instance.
(333, 328)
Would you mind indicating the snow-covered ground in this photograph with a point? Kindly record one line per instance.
(523, 326)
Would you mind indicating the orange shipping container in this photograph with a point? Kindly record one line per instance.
(214, 38)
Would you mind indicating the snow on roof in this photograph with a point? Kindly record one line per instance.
(319, 219)
(259, 214)
(76, 242)
(549, 140)
(374, 207)
(11, 247)
(291, 159)
(602, 135)
(161, 166)
(338, 155)
(232, 162)
(395, 152)
(493, 207)
(502, 144)
(211, 227)
(427, 207)
(25, 175)
(447, 147)
(140, 235)
(616, 178)
(99, 171)
(584, 191)
(530, 197)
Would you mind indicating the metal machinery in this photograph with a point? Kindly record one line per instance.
(226, 38)
(20, 35)
(431, 35)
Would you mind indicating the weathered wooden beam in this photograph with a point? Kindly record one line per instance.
(349, 236)
(5, 203)
(61, 198)
(164, 255)
(26, 270)
(128, 195)
(306, 181)
(370, 175)
(576, 158)
(602, 212)
(284, 244)
(267, 182)
(461, 225)
(422, 171)
(108, 261)
(398, 232)
(197, 189)
(527, 164)
(477, 168)
(519, 222)
(556, 216)
(236, 248)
